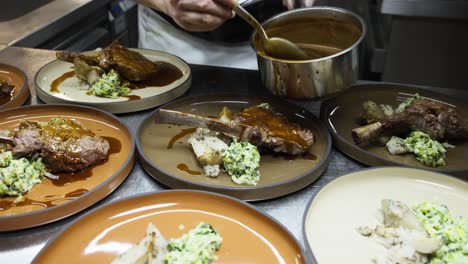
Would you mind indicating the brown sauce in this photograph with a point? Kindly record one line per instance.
(308, 156)
(182, 134)
(167, 74)
(327, 32)
(67, 178)
(183, 167)
(276, 123)
(132, 97)
(55, 84)
(49, 200)
(65, 130)
(114, 144)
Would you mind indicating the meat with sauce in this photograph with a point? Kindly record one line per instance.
(263, 127)
(132, 65)
(66, 145)
(437, 119)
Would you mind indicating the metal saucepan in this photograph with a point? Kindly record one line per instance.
(322, 29)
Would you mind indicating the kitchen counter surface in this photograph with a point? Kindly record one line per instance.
(21, 246)
(47, 19)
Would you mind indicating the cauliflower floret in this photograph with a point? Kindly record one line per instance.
(208, 149)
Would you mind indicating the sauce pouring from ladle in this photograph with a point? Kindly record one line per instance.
(275, 47)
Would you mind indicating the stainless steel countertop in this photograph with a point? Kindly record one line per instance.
(22, 246)
(43, 18)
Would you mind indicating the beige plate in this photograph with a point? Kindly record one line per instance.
(72, 91)
(279, 176)
(249, 236)
(353, 200)
(16, 77)
(50, 201)
(341, 113)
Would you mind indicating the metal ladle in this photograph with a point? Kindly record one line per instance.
(275, 47)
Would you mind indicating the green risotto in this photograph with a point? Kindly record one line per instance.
(18, 176)
(427, 151)
(110, 86)
(242, 160)
(453, 231)
(195, 247)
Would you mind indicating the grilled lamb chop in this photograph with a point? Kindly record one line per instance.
(66, 145)
(262, 127)
(439, 120)
(131, 65)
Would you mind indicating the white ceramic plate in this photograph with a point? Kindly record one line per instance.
(353, 200)
(72, 91)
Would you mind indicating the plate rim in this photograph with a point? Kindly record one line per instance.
(109, 106)
(307, 246)
(130, 159)
(322, 165)
(23, 93)
(349, 149)
(162, 192)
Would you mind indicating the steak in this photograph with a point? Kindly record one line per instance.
(262, 127)
(130, 64)
(65, 144)
(439, 120)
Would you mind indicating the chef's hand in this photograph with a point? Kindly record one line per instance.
(195, 15)
(304, 3)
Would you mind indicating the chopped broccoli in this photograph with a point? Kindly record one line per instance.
(18, 176)
(242, 160)
(110, 86)
(429, 152)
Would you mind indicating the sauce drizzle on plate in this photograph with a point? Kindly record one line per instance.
(182, 134)
(49, 200)
(183, 167)
(56, 83)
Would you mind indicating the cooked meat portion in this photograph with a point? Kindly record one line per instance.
(131, 65)
(65, 144)
(439, 120)
(268, 129)
(5, 88)
(262, 127)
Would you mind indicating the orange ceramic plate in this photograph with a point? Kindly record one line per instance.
(16, 77)
(249, 236)
(52, 200)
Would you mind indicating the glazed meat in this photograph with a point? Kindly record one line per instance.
(131, 65)
(6, 89)
(439, 120)
(262, 127)
(66, 145)
(268, 129)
